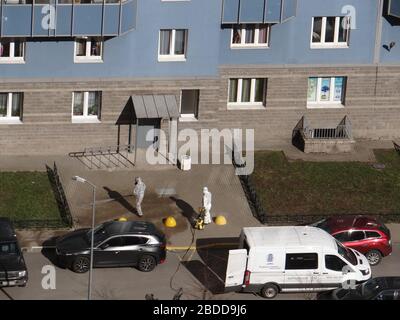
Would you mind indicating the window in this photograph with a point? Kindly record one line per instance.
(189, 103)
(112, 243)
(342, 236)
(372, 234)
(330, 32)
(8, 248)
(86, 106)
(88, 50)
(326, 91)
(301, 261)
(334, 263)
(247, 92)
(172, 45)
(133, 241)
(250, 36)
(356, 235)
(12, 51)
(11, 107)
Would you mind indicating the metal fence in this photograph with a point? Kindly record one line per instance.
(65, 220)
(341, 131)
(260, 212)
(105, 157)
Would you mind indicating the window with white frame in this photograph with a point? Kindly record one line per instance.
(250, 35)
(172, 45)
(11, 106)
(88, 50)
(247, 92)
(12, 51)
(86, 106)
(330, 32)
(190, 103)
(326, 91)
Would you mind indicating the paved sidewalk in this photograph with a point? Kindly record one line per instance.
(170, 192)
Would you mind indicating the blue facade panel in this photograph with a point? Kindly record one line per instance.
(41, 22)
(251, 11)
(111, 19)
(289, 8)
(230, 13)
(128, 17)
(88, 19)
(64, 20)
(17, 20)
(273, 11)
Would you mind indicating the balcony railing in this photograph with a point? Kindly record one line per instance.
(258, 11)
(66, 18)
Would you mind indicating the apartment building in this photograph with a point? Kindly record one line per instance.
(84, 73)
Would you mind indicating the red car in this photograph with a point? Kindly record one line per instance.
(362, 233)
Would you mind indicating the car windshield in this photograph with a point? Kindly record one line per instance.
(100, 234)
(8, 248)
(346, 253)
(370, 289)
(322, 224)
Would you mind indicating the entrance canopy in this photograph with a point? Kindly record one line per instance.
(155, 106)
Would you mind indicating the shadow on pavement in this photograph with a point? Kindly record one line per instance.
(115, 195)
(186, 209)
(49, 251)
(210, 271)
(9, 297)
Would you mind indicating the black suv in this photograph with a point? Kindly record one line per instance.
(116, 244)
(13, 270)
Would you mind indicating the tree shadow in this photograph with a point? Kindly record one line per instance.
(186, 209)
(115, 195)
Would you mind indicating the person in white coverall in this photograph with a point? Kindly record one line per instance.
(138, 191)
(206, 203)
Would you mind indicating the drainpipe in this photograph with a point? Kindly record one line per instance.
(378, 32)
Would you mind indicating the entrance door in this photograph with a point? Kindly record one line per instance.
(147, 133)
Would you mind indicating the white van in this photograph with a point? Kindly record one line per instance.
(292, 259)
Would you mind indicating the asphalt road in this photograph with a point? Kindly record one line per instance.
(199, 275)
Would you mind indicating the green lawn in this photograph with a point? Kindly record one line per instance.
(27, 196)
(327, 187)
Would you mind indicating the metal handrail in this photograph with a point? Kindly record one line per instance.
(342, 131)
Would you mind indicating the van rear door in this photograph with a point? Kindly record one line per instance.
(235, 270)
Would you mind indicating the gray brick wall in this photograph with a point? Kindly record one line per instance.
(372, 103)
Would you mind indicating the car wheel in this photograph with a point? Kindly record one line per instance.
(81, 265)
(374, 257)
(147, 263)
(269, 291)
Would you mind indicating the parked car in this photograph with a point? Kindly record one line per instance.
(292, 259)
(116, 244)
(385, 288)
(13, 271)
(362, 233)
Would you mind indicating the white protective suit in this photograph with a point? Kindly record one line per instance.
(206, 203)
(138, 191)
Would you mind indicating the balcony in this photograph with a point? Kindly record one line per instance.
(66, 18)
(258, 11)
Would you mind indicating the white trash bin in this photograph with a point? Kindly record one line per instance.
(186, 163)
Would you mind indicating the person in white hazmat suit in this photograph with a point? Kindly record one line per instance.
(206, 203)
(138, 192)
